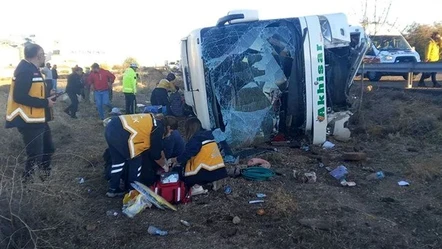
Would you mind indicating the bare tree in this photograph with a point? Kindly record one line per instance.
(376, 13)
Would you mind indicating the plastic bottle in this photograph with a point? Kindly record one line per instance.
(187, 224)
(155, 231)
(376, 176)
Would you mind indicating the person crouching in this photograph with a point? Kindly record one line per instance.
(128, 137)
(202, 160)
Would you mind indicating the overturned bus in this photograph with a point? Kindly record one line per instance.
(257, 79)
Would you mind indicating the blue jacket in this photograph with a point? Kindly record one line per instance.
(173, 145)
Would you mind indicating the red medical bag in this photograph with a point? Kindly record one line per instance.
(172, 192)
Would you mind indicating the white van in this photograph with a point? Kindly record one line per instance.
(255, 78)
(388, 46)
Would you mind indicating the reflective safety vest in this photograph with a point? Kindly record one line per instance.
(208, 158)
(130, 81)
(18, 113)
(140, 127)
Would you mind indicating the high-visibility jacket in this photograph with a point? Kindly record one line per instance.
(130, 81)
(140, 127)
(169, 86)
(27, 103)
(432, 52)
(208, 158)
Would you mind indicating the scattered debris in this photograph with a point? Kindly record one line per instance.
(403, 183)
(369, 169)
(316, 224)
(305, 148)
(256, 201)
(227, 190)
(260, 212)
(258, 162)
(257, 173)
(91, 227)
(339, 172)
(412, 150)
(185, 223)
(134, 203)
(388, 200)
(311, 177)
(375, 176)
(229, 233)
(112, 213)
(155, 231)
(328, 145)
(80, 180)
(347, 184)
(354, 156)
(236, 220)
(260, 195)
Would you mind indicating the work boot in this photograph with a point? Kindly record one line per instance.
(436, 84)
(111, 193)
(421, 84)
(74, 116)
(67, 111)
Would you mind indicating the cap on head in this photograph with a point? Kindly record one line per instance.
(170, 77)
(133, 65)
(115, 111)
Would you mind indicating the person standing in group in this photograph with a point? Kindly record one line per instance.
(47, 72)
(432, 54)
(86, 85)
(54, 77)
(73, 88)
(130, 88)
(29, 109)
(100, 81)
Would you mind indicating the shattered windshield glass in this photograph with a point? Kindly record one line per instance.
(250, 69)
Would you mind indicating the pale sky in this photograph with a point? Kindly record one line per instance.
(151, 30)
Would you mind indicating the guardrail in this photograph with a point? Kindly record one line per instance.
(410, 68)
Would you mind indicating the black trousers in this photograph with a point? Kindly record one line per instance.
(426, 75)
(131, 103)
(73, 107)
(39, 147)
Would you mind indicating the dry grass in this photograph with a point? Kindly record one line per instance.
(425, 169)
(283, 202)
(32, 211)
(393, 112)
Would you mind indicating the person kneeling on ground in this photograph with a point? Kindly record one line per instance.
(173, 143)
(132, 139)
(202, 160)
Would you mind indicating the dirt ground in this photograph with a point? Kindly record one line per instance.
(401, 132)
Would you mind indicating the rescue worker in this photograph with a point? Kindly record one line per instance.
(29, 109)
(130, 88)
(432, 54)
(132, 139)
(201, 162)
(160, 94)
(101, 81)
